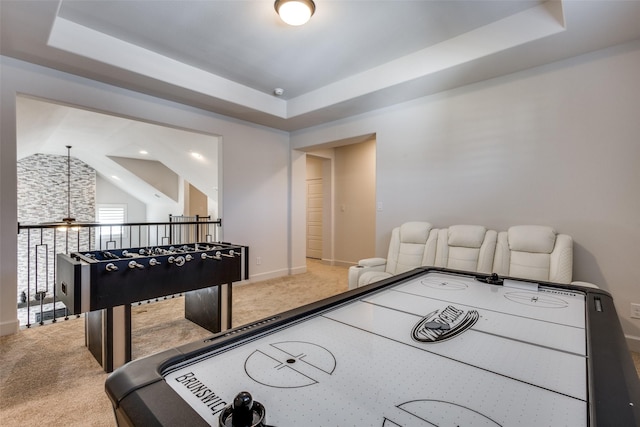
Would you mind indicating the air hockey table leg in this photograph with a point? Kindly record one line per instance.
(108, 336)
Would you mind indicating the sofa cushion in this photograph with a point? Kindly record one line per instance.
(466, 247)
(407, 246)
(468, 236)
(532, 238)
(530, 265)
(533, 259)
(415, 232)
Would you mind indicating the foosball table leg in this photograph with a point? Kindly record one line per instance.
(108, 336)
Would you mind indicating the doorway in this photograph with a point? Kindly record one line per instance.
(340, 201)
(315, 205)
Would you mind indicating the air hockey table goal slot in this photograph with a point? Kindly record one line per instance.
(597, 302)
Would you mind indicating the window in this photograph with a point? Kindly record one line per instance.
(112, 214)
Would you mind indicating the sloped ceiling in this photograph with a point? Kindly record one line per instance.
(153, 173)
(99, 140)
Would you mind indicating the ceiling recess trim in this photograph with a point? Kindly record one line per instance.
(80, 40)
(535, 23)
(532, 24)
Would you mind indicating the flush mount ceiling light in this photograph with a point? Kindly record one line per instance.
(295, 12)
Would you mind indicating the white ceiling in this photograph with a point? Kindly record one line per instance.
(227, 56)
(245, 42)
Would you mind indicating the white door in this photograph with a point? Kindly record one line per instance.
(314, 218)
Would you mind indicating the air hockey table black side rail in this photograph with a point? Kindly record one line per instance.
(141, 397)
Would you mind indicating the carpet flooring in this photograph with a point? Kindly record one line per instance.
(48, 377)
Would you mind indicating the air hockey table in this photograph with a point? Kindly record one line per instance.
(430, 347)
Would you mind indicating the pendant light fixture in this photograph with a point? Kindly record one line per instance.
(69, 219)
(295, 12)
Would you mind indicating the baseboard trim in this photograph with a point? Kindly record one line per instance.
(633, 343)
(343, 263)
(9, 328)
(266, 276)
(299, 270)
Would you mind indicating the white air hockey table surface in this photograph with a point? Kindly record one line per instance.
(429, 348)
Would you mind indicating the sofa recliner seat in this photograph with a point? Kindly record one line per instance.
(412, 245)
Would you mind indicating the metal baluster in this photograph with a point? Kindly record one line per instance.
(54, 275)
(39, 294)
(28, 278)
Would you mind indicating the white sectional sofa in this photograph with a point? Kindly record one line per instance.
(532, 252)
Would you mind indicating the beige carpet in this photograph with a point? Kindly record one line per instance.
(48, 377)
(162, 325)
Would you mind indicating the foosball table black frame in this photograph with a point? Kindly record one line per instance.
(104, 284)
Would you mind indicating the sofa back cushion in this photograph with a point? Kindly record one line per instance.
(534, 252)
(466, 247)
(409, 246)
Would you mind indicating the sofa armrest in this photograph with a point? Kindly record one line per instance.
(368, 264)
(373, 262)
(584, 284)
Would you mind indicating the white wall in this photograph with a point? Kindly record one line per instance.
(107, 193)
(8, 209)
(254, 189)
(255, 208)
(556, 145)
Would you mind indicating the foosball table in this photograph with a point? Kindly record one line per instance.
(104, 283)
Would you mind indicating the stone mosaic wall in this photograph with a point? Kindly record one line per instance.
(42, 189)
(42, 197)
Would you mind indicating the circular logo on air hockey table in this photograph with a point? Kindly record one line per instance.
(436, 413)
(536, 299)
(442, 325)
(445, 284)
(290, 364)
